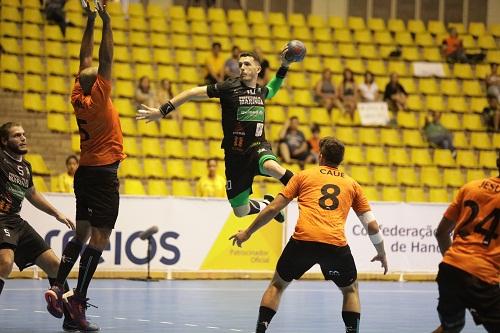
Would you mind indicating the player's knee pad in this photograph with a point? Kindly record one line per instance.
(241, 211)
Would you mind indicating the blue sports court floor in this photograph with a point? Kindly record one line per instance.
(226, 306)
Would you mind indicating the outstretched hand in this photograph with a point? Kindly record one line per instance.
(65, 220)
(239, 238)
(383, 261)
(284, 62)
(86, 7)
(101, 9)
(148, 114)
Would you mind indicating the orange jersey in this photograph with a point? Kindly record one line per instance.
(452, 44)
(476, 246)
(101, 139)
(325, 195)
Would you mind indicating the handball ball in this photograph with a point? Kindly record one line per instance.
(296, 51)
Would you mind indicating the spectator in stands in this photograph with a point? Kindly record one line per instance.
(313, 142)
(293, 144)
(369, 89)
(395, 94)
(263, 77)
(348, 93)
(165, 93)
(211, 185)
(324, 92)
(144, 94)
(232, 67)
(214, 65)
(438, 135)
(491, 114)
(452, 48)
(65, 179)
(54, 11)
(493, 81)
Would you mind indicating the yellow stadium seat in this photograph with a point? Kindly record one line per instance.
(370, 52)
(296, 20)
(355, 23)
(315, 21)
(10, 63)
(477, 29)
(133, 187)
(383, 38)
(474, 174)
(421, 157)
(75, 143)
(376, 24)
(39, 184)
(342, 36)
(407, 119)
(407, 176)
(122, 71)
(487, 159)
(148, 129)
(256, 17)
(468, 42)
(241, 30)
(214, 130)
(424, 40)
(33, 65)
(11, 46)
(176, 169)
(179, 27)
(471, 88)
(460, 140)
(157, 187)
(432, 54)
(57, 85)
(130, 167)
(443, 158)
(174, 148)
(415, 194)
(371, 193)
(158, 25)
(375, 155)
(10, 82)
(354, 155)
(170, 128)
(128, 126)
(198, 168)
(9, 29)
(32, 31)
(409, 85)
(390, 137)
(396, 25)
(124, 89)
(449, 87)
(416, 26)
(176, 12)
(428, 86)
(214, 150)
(413, 138)
(153, 168)
(377, 67)
(56, 122)
(493, 56)
(430, 176)
(313, 64)
(124, 107)
(482, 70)
(303, 98)
(480, 140)
(410, 53)
(73, 125)
(57, 103)
(261, 31)
(192, 129)
(368, 136)
(361, 174)
(460, 27)
(130, 146)
(320, 116)
(141, 55)
(346, 135)
(52, 33)
(453, 177)
(457, 104)
(403, 38)
(236, 16)
(466, 158)
(182, 188)
(436, 27)
(487, 42)
(336, 22)
(197, 149)
(55, 49)
(398, 67)
(398, 156)
(462, 71)
(211, 111)
(151, 147)
(277, 18)
(32, 83)
(383, 176)
(57, 67)
(450, 121)
(10, 14)
(435, 103)
(391, 193)
(347, 50)
(438, 195)
(37, 164)
(220, 29)
(496, 139)
(33, 102)
(30, 47)
(473, 122)
(355, 65)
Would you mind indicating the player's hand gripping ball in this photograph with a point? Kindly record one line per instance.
(296, 51)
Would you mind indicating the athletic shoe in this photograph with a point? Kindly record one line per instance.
(280, 217)
(69, 326)
(77, 305)
(53, 297)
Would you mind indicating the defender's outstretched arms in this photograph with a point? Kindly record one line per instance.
(106, 47)
(87, 46)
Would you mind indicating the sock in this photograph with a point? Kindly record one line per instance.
(88, 265)
(52, 281)
(265, 316)
(351, 321)
(255, 206)
(286, 177)
(68, 259)
(2, 283)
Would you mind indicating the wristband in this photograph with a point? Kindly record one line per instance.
(281, 73)
(166, 108)
(376, 238)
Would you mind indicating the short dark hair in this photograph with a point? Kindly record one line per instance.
(332, 150)
(250, 54)
(294, 118)
(491, 96)
(212, 159)
(315, 128)
(5, 131)
(71, 157)
(214, 44)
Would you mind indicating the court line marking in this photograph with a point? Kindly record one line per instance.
(7, 309)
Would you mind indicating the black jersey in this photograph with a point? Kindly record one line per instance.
(15, 180)
(243, 113)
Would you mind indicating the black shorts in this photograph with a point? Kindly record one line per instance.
(459, 290)
(241, 169)
(97, 196)
(336, 262)
(18, 235)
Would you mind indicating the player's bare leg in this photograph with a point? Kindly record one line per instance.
(6, 263)
(270, 302)
(351, 308)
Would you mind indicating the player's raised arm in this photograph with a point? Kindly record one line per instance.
(87, 45)
(151, 114)
(106, 47)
